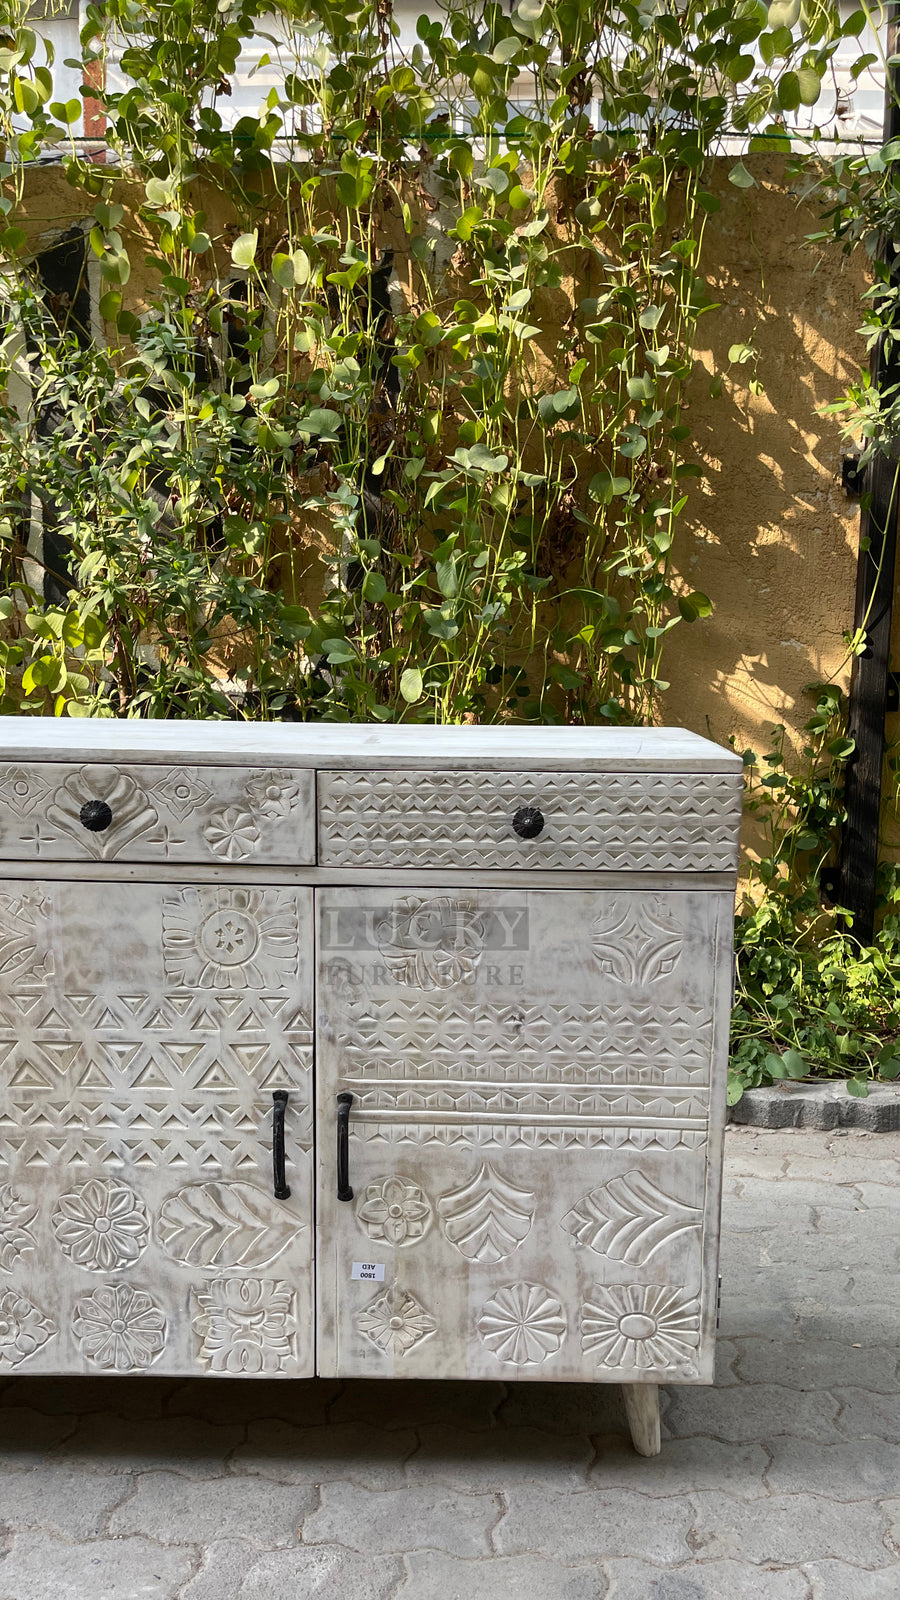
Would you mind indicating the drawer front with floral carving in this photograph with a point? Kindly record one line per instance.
(231, 815)
(144, 1029)
(630, 822)
(531, 1144)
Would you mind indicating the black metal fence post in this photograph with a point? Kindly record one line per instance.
(870, 677)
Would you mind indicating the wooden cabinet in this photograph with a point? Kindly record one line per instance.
(364, 1052)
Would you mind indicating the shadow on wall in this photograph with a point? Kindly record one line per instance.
(770, 537)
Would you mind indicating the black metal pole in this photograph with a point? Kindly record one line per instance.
(870, 676)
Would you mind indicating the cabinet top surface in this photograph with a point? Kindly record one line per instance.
(360, 745)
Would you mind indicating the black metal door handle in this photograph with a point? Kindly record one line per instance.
(279, 1103)
(344, 1102)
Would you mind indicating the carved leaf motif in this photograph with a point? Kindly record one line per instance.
(636, 944)
(133, 812)
(222, 1225)
(15, 1236)
(628, 1218)
(488, 1218)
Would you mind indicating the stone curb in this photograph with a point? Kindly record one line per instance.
(819, 1105)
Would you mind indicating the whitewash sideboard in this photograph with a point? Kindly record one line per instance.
(389, 1052)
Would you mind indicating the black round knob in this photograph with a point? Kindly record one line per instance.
(528, 822)
(95, 815)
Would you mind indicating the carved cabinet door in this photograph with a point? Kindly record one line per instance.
(143, 1030)
(533, 1074)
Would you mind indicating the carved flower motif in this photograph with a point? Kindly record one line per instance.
(23, 1327)
(232, 833)
(119, 1327)
(635, 942)
(396, 1322)
(183, 791)
(523, 1324)
(230, 938)
(272, 794)
(24, 937)
(245, 1325)
(394, 1209)
(638, 1326)
(431, 944)
(21, 789)
(101, 1226)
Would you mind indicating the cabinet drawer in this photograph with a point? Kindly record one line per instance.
(55, 811)
(640, 822)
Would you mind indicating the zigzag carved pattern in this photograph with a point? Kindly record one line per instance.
(491, 1136)
(551, 1043)
(643, 822)
(474, 1100)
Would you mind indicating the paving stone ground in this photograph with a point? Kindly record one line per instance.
(780, 1483)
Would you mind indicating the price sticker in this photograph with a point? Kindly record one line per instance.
(368, 1272)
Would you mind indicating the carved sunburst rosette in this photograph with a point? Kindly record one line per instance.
(523, 1324)
(120, 1328)
(231, 832)
(102, 1226)
(637, 1327)
(216, 938)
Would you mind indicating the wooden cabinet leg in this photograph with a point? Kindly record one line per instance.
(642, 1410)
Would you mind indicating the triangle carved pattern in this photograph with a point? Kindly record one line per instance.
(177, 1079)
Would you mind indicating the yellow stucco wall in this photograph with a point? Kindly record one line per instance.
(769, 535)
(772, 538)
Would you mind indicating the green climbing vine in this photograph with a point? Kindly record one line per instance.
(395, 425)
(810, 1000)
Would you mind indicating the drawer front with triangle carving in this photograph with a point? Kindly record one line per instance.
(628, 821)
(143, 1030)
